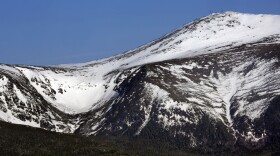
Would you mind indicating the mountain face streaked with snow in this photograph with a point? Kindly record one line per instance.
(212, 84)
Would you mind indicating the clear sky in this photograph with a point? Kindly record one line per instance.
(43, 32)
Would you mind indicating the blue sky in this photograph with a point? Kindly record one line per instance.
(44, 32)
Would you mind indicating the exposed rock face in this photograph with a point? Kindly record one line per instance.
(220, 95)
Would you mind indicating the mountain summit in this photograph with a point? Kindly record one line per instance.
(212, 84)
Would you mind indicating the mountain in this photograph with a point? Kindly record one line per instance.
(210, 85)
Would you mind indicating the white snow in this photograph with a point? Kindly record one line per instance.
(166, 103)
(250, 136)
(219, 30)
(9, 117)
(88, 85)
(8, 68)
(228, 86)
(225, 29)
(81, 89)
(146, 120)
(3, 83)
(228, 29)
(19, 94)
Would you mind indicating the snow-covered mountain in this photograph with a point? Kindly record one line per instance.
(211, 83)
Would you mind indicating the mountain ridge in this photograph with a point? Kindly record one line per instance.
(217, 73)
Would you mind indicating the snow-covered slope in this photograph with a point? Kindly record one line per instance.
(210, 34)
(203, 36)
(222, 68)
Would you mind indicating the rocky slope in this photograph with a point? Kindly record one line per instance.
(211, 84)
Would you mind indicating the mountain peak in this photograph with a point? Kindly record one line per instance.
(201, 36)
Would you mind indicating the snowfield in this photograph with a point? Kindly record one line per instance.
(223, 68)
(85, 85)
